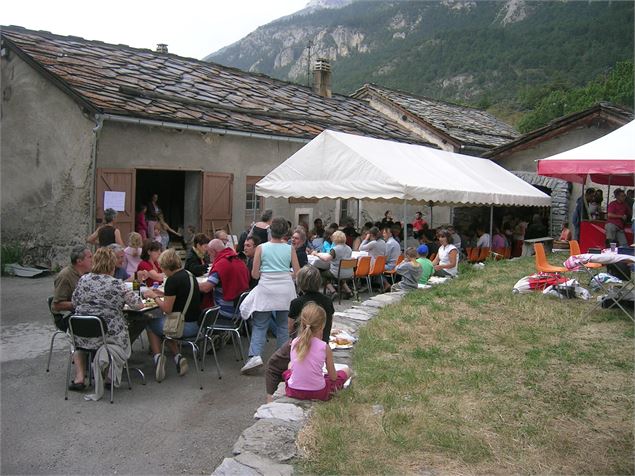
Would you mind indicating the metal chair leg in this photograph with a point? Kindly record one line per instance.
(48, 363)
(68, 374)
(195, 357)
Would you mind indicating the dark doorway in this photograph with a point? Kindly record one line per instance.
(170, 186)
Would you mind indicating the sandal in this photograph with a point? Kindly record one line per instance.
(76, 387)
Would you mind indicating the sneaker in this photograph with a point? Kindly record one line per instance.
(181, 366)
(253, 363)
(159, 373)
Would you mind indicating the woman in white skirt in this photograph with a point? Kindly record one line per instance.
(273, 294)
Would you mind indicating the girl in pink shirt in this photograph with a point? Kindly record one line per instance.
(305, 379)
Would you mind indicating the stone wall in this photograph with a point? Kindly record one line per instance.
(47, 167)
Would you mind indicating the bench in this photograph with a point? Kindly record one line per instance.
(528, 245)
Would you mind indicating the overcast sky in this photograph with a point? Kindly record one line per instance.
(190, 28)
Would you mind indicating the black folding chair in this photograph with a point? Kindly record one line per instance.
(209, 316)
(61, 326)
(94, 328)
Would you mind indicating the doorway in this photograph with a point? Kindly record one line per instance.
(169, 185)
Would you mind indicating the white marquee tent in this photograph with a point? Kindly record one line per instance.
(338, 165)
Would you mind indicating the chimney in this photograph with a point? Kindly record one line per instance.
(162, 48)
(322, 77)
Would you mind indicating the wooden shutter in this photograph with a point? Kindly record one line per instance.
(117, 180)
(216, 205)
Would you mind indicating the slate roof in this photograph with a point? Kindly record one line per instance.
(467, 126)
(603, 112)
(118, 79)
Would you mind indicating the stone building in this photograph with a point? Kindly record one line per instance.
(81, 118)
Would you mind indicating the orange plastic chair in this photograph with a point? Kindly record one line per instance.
(574, 249)
(499, 253)
(363, 268)
(483, 254)
(542, 265)
(376, 270)
(391, 273)
(508, 252)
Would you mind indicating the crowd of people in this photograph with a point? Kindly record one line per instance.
(290, 274)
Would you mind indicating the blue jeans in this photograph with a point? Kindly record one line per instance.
(259, 326)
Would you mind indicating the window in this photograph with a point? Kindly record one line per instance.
(253, 202)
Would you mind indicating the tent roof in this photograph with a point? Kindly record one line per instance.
(339, 165)
(609, 159)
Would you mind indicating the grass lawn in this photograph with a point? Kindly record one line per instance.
(468, 378)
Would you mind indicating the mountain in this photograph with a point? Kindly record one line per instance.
(481, 53)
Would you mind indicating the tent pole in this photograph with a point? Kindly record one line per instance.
(405, 226)
(491, 224)
(359, 213)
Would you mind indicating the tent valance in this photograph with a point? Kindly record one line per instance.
(339, 165)
(607, 160)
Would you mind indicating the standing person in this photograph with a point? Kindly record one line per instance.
(565, 233)
(309, 283)
(152, 214)
(261, 229)
(581, 212)
(446, 263)
(419, 224)
(274, 292)
(107, 233)
(179, 286)
(197, 260)
(426, 265)
(140, 223)
(305, 379)
(133, 253)
(617, 217)
(387, 220)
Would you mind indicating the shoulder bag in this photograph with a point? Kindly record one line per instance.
(175, 321)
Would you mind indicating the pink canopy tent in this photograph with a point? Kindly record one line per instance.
(607, 160)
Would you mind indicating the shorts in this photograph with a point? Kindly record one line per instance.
(190, 329)
(330, 387)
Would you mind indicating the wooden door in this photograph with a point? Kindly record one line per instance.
(216, 203)
(117, 180)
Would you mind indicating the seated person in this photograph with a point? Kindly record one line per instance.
(178, 285)
(249, 250)
(618, 215)
(298, 241)
(392, 248)
(484, 239)
(446, 263)
(197, 260)
(64, 286)
(337, 253)
(149, 263)
(499, 241)
(309, 282)
(410, 271)
(100, 294)
(120, 267)
(427, 268)
(224, 237)
(536, 230)
(228, 278)
(373, 244)
(305, 379)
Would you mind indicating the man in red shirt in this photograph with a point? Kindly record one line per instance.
(617, 216)
(418, 224)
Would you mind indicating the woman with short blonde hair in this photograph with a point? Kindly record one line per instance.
(104, 261)
(338, 252)
(169, 260)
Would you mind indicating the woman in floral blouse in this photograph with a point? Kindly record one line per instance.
(100, 294)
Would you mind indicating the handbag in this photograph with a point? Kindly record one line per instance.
(175, 321)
